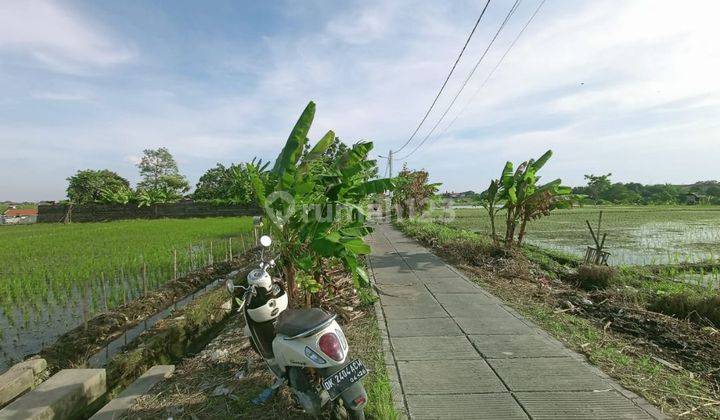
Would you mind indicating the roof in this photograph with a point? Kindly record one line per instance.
(20, 212)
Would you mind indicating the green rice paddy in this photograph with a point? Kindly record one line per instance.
(636, 235)
(50, 274)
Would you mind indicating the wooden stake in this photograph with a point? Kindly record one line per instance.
(175, 273)
(104, 290)
(85, 306)
(190, 256)
(229, 249)
(123, 284)
(211, 259)
(144, 277)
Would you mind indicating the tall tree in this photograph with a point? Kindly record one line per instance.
(597, 184)
(89, 185)
(160, 173)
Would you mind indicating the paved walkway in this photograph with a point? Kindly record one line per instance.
(455, 351)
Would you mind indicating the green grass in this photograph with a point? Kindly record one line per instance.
(637, 235)
(53, 263)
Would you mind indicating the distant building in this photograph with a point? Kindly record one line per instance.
(14, 216)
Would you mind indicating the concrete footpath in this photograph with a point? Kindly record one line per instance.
(454, 351)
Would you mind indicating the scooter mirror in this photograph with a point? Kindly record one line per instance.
(265, 241)
(230, 286)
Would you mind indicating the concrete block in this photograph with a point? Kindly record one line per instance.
(455, 286)
(469, 302)
(415, 310)
(465, 406)
(422, 327)
(433, 348)
(541, 374)
(579, 405)
(19, 378)
(448, 377)
(510, 346)
(62, 396)
(120, 405)
(493, 324)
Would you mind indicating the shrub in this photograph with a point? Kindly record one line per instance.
(595, 276)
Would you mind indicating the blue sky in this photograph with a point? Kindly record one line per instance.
(624, 87)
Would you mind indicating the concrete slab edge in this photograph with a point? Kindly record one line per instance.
(391, 367)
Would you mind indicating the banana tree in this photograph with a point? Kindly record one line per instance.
(489, 199)
(314, 207)
(525, 199)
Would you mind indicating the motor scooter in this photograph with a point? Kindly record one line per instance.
(303, 348)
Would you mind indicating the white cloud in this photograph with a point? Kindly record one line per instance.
(625, 86)
(45, 32)
(61, 96)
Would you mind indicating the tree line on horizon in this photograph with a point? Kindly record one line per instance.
(601, 190)
(162, 182)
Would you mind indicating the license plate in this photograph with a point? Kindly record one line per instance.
(344, 378)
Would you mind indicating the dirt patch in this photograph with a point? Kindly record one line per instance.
(73, 348)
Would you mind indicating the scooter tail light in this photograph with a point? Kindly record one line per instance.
(330, 345)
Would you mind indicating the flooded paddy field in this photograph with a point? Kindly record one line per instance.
(53, 276)
(636, 235)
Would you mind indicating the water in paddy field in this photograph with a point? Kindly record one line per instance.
(26, 330)
(650, 243)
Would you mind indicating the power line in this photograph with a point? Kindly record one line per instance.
(477, 22)
(467, 79)
(492, 72)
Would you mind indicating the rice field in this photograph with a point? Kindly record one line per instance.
(53, 275)
(636, 235)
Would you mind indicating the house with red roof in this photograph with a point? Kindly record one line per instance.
(15, 216)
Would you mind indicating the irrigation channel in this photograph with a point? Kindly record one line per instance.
(26, 329)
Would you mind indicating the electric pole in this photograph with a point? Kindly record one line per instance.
(390, 163)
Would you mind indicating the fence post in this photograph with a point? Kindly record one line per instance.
(175, 273)
(229, 253)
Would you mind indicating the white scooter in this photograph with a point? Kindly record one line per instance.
(305, 348)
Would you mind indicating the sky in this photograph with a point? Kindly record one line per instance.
(627, 87)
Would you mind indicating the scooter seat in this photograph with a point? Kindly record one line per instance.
(299, 322)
